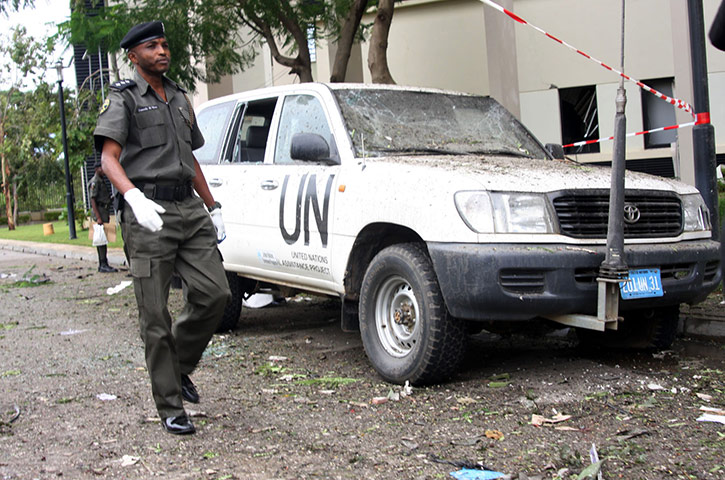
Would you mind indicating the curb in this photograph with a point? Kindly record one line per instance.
(116, 257)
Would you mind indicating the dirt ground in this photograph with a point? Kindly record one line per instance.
(289, 396)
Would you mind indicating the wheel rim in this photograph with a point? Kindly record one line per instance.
(396, 317)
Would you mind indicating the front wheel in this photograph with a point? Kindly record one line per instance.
(406, 329)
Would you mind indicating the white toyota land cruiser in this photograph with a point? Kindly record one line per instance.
(431, 213)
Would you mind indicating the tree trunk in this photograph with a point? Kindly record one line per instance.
(347, 38)
(6, 191)
(15, 203)
(378, 56)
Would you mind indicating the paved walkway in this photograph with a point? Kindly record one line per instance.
(706, 319)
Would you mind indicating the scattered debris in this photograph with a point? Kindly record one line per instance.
(595, 469)
(128, 460)
(409, 443)
(494, 434)
(541, 421)
(629, 434)
(114, 290)
(466, 400)
(713, 415)
(654, 386)
(469, 474)
(704, 396)
(73, 332)
(379, 400)
(3, 276)
(196, 414)
(105, 397)
(277, 358)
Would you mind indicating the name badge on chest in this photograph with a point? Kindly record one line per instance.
(147, 108)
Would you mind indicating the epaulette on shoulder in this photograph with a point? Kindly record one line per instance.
(122, 84)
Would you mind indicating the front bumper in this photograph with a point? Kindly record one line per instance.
(520, 281)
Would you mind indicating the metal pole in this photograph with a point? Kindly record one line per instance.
(703, 133)
(68, 180)
(614, 267)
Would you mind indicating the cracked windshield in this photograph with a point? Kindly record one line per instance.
(389, 122)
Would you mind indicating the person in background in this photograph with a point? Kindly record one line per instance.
(101, 199)
(146, 131)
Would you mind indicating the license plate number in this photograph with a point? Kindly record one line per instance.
(643, 283)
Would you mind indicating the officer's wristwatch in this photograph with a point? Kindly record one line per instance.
(215, 206)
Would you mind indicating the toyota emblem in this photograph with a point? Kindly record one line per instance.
(631, 213)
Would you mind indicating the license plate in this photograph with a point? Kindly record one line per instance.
(643, 283)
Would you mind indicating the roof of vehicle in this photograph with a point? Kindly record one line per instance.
(318, 86)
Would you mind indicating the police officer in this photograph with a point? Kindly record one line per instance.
(100, 197)
(146, 131)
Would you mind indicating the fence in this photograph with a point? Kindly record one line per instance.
(41, 197)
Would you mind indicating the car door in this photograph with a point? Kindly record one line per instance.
(234, 183)
(294, 200)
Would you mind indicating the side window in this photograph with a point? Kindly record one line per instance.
(301, 114)
(250, 141)
(213, 123)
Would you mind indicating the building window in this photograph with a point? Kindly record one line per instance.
(657, 113)
(579, 118)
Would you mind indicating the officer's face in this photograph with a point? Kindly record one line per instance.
(153, 56)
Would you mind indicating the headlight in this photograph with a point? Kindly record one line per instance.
(697, 215)
(488, 212)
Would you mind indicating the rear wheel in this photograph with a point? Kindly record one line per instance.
(646, 329)
(233, 309)
(406, 329)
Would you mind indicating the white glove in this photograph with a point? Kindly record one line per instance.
(216, 219)
(146, 211)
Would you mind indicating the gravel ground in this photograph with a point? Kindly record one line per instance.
(289, 396)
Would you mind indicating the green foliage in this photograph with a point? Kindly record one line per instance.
(13, 5)
(51, 216)
(210, 30)
(32, 144)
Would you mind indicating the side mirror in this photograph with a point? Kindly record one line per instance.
(310, 147)
(555, 150)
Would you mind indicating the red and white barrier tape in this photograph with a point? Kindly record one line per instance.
(633, 134)
(700, 118)
(674, 101)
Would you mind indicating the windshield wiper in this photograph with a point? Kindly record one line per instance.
(420, 151)
(509, 153)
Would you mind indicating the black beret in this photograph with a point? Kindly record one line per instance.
(143, 32)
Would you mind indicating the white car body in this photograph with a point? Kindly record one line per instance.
(315, 225)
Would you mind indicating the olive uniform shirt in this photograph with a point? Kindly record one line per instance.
(157, 137)
(98, 190)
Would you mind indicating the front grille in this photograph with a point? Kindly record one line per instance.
(585, 215)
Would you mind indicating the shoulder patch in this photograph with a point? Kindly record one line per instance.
(122, 84)
(106, 104)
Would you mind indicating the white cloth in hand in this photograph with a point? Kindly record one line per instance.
(146, 211)
(216, 219)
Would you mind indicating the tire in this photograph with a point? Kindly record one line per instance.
(646, 329)
(425, 345)
(233, 309)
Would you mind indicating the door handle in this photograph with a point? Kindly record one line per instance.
(269, 185)
(216, 182)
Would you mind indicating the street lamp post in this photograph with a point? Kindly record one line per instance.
(68, 180)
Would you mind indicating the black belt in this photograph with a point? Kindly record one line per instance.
(167, 192)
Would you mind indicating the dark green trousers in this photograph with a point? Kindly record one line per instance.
(186, 244)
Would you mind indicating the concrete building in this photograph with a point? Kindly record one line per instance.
(561, 96)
